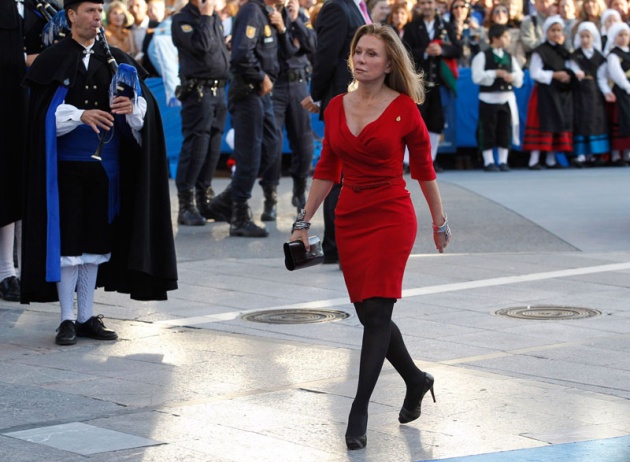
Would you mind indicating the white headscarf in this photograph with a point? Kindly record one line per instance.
(605, 15)
(550, 21)
(592, 28)
(612, 35)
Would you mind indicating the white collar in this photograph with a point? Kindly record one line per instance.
(143, 25)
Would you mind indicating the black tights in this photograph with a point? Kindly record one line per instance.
(381, 339)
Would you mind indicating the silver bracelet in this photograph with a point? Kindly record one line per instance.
(301, 215)
(443, 228)
(300, 225)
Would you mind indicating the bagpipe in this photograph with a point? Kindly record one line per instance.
(56, 27)
(125, 82)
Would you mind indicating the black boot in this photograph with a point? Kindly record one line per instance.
(188, 214)
(299, 193)
(271, 200)
(242, 224)
(203, 196)
(220, 207)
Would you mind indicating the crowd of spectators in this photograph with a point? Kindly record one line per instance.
(142, 28)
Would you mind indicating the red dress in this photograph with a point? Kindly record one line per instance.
(375, 221)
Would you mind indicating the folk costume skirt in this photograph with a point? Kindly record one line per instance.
(541, 138)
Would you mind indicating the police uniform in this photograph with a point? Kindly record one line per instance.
(204, 67)
(256, 135)
(289, 90)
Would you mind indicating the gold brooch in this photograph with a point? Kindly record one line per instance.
(398, 119)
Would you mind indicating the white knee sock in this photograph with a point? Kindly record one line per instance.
(626, 155)
(6, 251)
(86, 286)
(615, 155)
(503, 155)
(551, 159)
(435, 143)
(65, 290)
(534, 158)
(488, 157)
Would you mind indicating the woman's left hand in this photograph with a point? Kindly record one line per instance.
(441, 239)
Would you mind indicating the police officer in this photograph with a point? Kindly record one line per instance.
(204, 65)
(258, 27)
(288, 92)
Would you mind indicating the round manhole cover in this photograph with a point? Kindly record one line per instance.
(548, 313)
(295, 316)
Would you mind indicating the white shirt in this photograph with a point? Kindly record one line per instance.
(616, 73)
(139, 32)
(483, 76)
(68, 117)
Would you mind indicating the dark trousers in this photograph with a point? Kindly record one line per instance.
(287, 98)
(495, 126)
(256, 142)
(203, 123)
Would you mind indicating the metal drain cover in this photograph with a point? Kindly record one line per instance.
(548, 313)
(295, 316)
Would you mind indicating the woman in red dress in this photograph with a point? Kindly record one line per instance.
(366, 131)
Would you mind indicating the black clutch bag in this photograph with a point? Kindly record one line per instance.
(296, 256)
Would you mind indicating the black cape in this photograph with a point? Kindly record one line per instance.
(12, 111)
(143, 262)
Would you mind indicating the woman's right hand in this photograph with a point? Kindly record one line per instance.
(300, 235)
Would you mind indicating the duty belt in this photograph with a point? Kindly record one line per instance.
(293, 75)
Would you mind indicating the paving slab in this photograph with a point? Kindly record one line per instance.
(198, 382)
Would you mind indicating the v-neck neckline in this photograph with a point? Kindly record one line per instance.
(345, 119)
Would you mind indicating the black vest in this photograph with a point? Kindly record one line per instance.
(588, 65)
(91, 86)
(492, 64)
(554, 58)
(624, 59)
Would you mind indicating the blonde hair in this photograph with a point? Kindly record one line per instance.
(403, 77)
(117, 4)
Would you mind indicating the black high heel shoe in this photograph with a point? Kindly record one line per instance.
(410, 414)
(356, 420)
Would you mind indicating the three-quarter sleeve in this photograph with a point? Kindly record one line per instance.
(329, 164)
(419, 144)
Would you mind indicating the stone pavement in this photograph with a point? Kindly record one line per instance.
(191, 380)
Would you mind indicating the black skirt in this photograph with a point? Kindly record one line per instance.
(83, 196)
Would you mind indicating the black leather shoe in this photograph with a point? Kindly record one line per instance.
(413, 411)
(94, 328)
(66, 333)
(504, 167)
(10, 289)
(491, 168)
